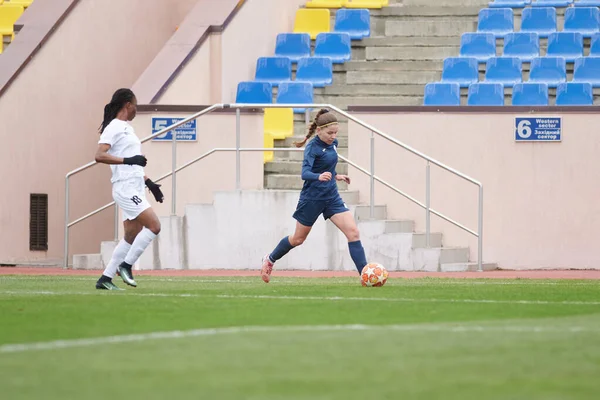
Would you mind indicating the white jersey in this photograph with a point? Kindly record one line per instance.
(123, 143)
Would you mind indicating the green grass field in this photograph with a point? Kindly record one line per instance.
(237, 338)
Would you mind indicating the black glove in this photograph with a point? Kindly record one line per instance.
(155, 189)
(135, 160)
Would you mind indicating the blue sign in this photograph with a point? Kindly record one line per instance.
(185, 132)
(538, 129)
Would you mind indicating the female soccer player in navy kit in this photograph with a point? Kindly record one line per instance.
(319, 195)
(120, 147)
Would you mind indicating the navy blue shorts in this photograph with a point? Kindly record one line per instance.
(308, 211)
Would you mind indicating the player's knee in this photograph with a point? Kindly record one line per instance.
(155, 227)
(353, 234)
(296, 241)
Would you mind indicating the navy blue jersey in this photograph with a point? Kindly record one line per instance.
(319, 157)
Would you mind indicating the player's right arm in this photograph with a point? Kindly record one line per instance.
(103, 157)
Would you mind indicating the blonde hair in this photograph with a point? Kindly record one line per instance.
(323, 118)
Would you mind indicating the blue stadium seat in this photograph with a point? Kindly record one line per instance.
(595, 45)
(498, 21)
(273, 69)
(335, 46)
(254, 92)
(551, 3)
(461, 70)
(587, 3)
(524, 45)
(316, 70)
(293, 45)
(486, 94)
(509, 3)
(549, 70)
(478, 45)
(504, 70)
(539, 20)
(530, 94)
(568, 45)
(585, 20)
(442, 94)
(295, 93)
(574, 94)
(587, 69)
(355, 22)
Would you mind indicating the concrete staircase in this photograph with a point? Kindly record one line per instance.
(246, 225)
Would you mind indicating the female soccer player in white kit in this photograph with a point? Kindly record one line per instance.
(120, 147)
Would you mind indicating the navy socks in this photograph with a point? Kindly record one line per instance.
(357, 252)
(281, 250)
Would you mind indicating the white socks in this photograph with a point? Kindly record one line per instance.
(117, 258)
(142, 240)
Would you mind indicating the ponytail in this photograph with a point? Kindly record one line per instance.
(319, 120)
(118, 101)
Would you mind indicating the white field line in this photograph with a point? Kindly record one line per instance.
(301, 298)
(319, 281)
(143, 337)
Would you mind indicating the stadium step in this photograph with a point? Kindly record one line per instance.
(391, 77)
(464, 267)
(87, 261)
(400, 53)
(299, 156)
(289, 142)
(289, 181)
(345, 101)
(372, 90)
(295, 167)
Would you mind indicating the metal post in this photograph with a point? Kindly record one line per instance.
(307, 119)
(174, 176)
(116, 222)
(427, 204)
(480, 231)
(237, 148)
(66, 253)
(372, 194)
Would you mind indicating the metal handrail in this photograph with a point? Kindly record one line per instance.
(238, 149)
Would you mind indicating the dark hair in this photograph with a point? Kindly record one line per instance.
(118, 101)
(323, 117)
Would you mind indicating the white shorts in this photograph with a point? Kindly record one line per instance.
(130, 196)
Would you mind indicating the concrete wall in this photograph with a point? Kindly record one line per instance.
(50, 114)
(227, 58)
(540, 198)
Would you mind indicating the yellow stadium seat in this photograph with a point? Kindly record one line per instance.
(24, 3)
(364, 3)
(312, 21)
(325, 3)
(1, 46)
(268, 143)
(279, 122)
(9, 14)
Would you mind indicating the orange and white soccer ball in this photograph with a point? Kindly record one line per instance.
(373, 274)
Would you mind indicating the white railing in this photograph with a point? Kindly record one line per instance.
(238, 150)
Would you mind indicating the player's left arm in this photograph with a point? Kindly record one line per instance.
(155, 189)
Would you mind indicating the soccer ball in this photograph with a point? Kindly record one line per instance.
(373, 274)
